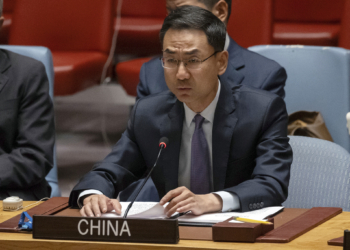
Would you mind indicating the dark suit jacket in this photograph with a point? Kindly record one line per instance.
(257, 71)
(251, 153)
(26, 127)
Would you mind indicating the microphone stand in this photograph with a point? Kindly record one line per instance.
(144, 182)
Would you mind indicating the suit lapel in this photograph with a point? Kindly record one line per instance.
(4, 65)
(172, 129)
(224, 123)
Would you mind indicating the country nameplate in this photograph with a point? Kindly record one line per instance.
(106, 229)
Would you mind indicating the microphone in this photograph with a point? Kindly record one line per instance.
(162, 144)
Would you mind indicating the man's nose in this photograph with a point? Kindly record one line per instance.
(182, 72)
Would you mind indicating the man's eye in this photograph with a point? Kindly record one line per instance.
(171, 60)
(193, 61)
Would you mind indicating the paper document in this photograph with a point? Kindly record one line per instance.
(141, 210)
(260, 214)
(154, 210)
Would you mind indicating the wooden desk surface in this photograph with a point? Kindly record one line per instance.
(315, 239)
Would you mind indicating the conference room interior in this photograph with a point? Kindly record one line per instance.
(95, 91)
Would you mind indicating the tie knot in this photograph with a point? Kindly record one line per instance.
(198, 119)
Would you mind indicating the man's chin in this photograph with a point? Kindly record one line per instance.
(183, 97)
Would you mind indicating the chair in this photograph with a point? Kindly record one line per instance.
(43, 55)
(140, 21)
(307, 22)
(344, 37)
(319, 174)
(78, 33)
(250, 22)
(128, 74)
(140, 25)
(318, 80)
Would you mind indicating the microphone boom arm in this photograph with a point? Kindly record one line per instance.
(144, 182)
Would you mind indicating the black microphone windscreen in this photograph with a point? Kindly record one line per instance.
(164, 140)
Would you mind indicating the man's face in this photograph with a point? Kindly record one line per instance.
(173, 4)
(195, 87)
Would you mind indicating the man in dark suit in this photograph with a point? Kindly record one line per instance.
(26, 127)
(255, 70)
(248, 67)
(228, 146)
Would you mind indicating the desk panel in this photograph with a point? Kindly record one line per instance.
(315, 239)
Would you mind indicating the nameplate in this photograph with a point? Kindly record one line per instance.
(106, 229)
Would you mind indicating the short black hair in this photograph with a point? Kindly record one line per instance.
(210, 4)
(193, 17)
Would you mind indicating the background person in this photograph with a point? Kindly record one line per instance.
(27, 132)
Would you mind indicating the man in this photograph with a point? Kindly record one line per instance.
(26, 127)
(255, 70)
(249, 67)
(228, 146)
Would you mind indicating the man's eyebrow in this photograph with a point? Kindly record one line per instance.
(169, 51)
(191, 52)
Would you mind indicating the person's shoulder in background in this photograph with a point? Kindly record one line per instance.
(152, 79)
(259, 71)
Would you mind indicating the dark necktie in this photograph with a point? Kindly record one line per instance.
(200, 160)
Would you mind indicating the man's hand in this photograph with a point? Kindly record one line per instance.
(95, 205)
(183, 200)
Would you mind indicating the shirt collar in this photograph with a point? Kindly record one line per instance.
(208, 113)
(227, 42)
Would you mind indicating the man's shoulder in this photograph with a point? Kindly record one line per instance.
(251, 59)
(22, 63)
(154, 105)
(151, 78)
(254, 92)
(153, 63)
(254, 59)
(258, 100)
(258, 71)
(253, 97)
(23, 72)
(157, 99)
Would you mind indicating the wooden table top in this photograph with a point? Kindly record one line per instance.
(314, 239)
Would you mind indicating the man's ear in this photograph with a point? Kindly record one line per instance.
(222, 62)
(1, 21)
(220, 10)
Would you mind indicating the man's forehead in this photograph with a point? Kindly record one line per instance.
(185, 41)
(173, 4)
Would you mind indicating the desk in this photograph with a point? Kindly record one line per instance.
(315, 239)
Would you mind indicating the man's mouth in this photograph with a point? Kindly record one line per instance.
(183, 88)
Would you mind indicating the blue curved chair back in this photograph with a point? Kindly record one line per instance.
(43, 55)
(320, 174)
(318, 80)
